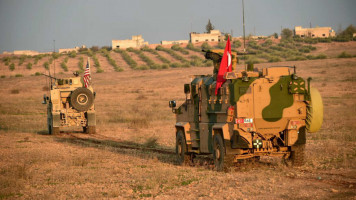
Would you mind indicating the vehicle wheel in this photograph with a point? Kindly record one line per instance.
(219, 152)
(181, 149)
(296, 157)
(82, 99)
(90, 129)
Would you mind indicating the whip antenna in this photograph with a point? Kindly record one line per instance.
(243, 24)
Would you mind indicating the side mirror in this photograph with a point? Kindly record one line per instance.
(186, 88)
(44, 99)
(172, 104)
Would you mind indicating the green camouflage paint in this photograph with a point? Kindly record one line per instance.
(280, 99)
(238, 87)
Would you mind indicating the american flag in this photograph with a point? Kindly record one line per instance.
(86, 76)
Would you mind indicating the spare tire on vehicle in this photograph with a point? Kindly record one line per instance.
(82, 99)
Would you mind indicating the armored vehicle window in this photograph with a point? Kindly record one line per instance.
(70, 81)
(60, 81)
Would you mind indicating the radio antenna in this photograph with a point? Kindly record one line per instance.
(243, 24)
(54, 60)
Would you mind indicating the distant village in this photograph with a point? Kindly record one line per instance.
(137, 41)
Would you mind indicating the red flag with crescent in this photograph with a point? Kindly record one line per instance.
(225, 66)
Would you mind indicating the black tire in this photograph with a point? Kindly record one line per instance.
(49, 129)
(218, 152)
(181, 149)
(82, 99)
(297, 156)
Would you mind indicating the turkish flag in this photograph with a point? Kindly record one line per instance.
(225, 66)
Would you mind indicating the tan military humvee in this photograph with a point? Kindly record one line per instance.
(255, 113)
(70, 104)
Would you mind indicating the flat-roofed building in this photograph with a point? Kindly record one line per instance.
(317, 32)
(213, 36)
(136, 42)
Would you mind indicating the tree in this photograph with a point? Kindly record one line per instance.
(275, 35)
(286, 33)
(348, 32)
(209, 27)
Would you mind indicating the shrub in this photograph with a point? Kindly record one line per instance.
(55, 55)
(72, 54)
(176, 47)
(165, 66)
(94, 48)
(206, 46)
(111, 61)
(127, 58)
(221, 45)
(172, 53)
(66, 59)
(190, 46)
(12, 67)
(196, 61)
(163, 59)
(321, 56)
(82, 50)
(3, 76)
(22, 59)
(143, 67)
(46, 65)
(274, 59)
(29, 66)
(344, 54)
(38, 74)
(64, 66)
(143, 57)
(108, 48)
(296, 58)
(6, 59)
(81, 65)
(175, 65)
(208, 63)
(99, 70)
(267, 43)
(50, 60)
(18, 75)
(236, 44)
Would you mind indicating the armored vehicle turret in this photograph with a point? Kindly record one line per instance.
(70, 104)
(255, 113)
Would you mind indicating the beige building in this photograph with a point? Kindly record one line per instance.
(70, 49)
(21, 52)
(164, 42)
(136, 42)
(213, 36)
(317, 32)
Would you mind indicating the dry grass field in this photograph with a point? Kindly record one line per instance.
(132, 154)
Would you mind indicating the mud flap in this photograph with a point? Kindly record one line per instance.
(91, 118)
(56, 119)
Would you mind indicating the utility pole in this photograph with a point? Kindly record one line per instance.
(54, 60)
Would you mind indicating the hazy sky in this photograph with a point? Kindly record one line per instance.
(34, 24)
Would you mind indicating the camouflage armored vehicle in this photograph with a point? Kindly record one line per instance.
(255, 113)
(70, 104)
